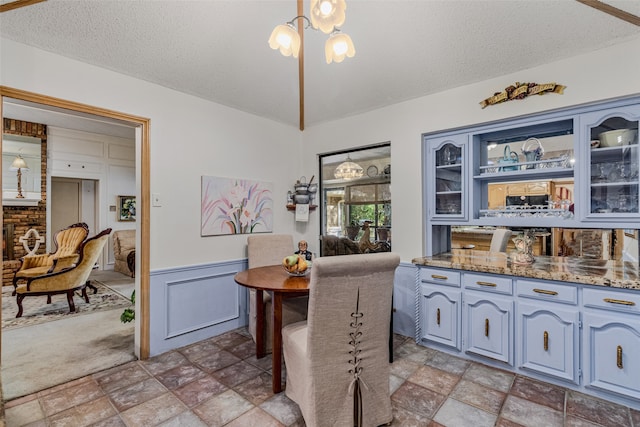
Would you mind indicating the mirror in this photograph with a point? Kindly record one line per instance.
(356, 200)
(29, 150)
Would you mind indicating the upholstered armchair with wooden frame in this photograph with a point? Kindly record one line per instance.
(68, 280)
(338, 360)
(67, 242)
(270, 249)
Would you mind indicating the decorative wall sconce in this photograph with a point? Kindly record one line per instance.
(18, 165)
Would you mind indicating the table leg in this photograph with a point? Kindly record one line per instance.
(261, 349)
(276, 355)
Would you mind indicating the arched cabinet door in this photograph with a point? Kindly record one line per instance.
(447, 181)
(612, 152)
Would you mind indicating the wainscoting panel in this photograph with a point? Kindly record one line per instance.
(404, 291)
(193, 303)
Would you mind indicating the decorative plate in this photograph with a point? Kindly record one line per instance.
(372, 171)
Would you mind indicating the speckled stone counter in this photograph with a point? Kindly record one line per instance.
(615, 274)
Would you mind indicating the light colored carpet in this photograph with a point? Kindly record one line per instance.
(37, 357)
(36, 310)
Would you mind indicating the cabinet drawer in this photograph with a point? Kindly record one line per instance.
(481, 282)
(442, 277)
(566, 294)
(626, 302)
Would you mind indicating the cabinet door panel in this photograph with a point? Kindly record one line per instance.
(548, 340)
(612, 355)
(440, 311)
(488, 326)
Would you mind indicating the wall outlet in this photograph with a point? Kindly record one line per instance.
(155, 199)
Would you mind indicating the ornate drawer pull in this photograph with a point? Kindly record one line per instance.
(493, 285)
(486, 327)
(545, 339)
(438, 277)
(544, 291)
(438, 317)
(619, 301)
(619, 357)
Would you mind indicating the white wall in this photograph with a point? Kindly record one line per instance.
(608, 73)
(190, 137)
(215, 140)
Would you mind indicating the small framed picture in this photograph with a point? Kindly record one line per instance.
(126, 208)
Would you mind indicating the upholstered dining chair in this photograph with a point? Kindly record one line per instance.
(337, 360)
(500, 240)
(270, 249)
(67, 242)
(68, 280)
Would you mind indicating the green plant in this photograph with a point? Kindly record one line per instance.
(129, 314)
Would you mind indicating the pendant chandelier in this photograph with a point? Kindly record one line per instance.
(348, 170)
(326, 16)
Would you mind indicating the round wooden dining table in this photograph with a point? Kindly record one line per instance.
(280, 284)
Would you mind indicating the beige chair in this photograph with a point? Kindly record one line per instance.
(67, 241)
(68, 280)
(270, 249)
(124, 252)
(500, 240)
(338, 360)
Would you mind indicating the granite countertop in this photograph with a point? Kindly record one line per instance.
(615, 274)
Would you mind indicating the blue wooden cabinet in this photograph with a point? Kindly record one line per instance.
(440, 307)
(488, 326)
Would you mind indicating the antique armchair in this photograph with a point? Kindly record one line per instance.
(68, 280)
(338, 359)
(270, 249)
(67, 242)
(124, 252)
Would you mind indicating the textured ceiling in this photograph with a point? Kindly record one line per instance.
(218, 50)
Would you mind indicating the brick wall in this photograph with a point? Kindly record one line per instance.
(25, 217)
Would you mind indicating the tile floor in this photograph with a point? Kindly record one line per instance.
(219, 382)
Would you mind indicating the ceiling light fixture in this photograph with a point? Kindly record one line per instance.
(348, 170)
(326, 16)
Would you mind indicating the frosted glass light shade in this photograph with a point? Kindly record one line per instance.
(327, 14)
(337, 47)
(285, 38)
(348, 170)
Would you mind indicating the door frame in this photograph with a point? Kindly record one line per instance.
(143, 214)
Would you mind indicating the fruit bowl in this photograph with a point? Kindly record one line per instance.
(297, 273)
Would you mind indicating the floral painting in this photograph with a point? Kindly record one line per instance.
(235, 206)
(126, 208)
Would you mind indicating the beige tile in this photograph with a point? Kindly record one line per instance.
(23, 414)
(434, 379)
(222, 408)
(539, 392)
(255, 418)
(199, 350)
(417, 399)
(236, 374)
(405, 418)
(448, 363)
(69, 397)
(403, 368)
(199, 390)
(282, 408)
(215, 361)
(530, 414)
(230, 339)
(164, 362)
(456, 413)
(135, 394)
(85, 414)
(153, 411)
(597, 410)
(479, 396)
(121, 376)
(179, 376)
(185, 419)
(257, 389)
(394, 383)
(490, 377)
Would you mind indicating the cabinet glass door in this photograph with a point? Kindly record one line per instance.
(614, 166)
(449, 180)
